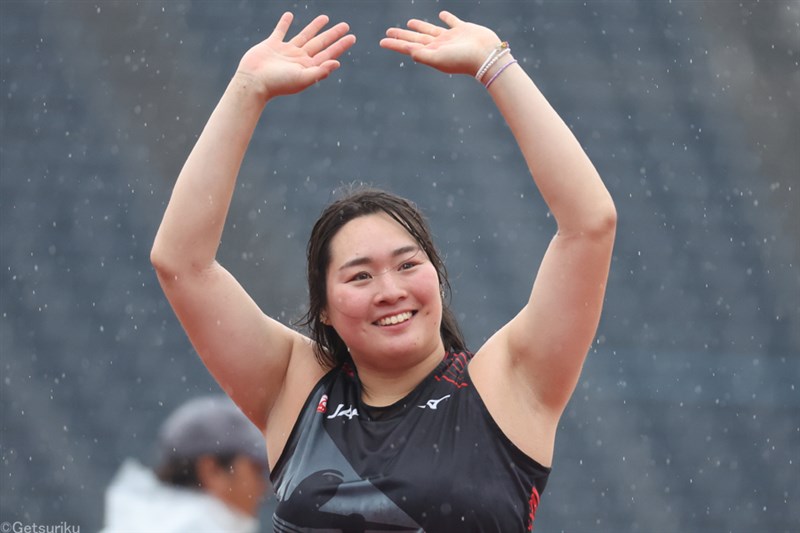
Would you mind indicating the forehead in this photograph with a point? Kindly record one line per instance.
(369, 236)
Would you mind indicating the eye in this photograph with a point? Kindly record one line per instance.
(361, 276)
(407, 265)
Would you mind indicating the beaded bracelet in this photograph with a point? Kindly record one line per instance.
(499, 71)
(493, 61)
(499, 51)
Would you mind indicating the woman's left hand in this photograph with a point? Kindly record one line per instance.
(459, 48)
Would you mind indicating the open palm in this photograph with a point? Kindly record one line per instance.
(459, 48)
(287, 67)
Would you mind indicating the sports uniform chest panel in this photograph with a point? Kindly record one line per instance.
(431, 462)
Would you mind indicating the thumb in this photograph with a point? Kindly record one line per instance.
(449, 19)
(314, 74)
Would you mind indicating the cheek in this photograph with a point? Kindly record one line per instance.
(258, 483)
(256, 478)
(347, 302)
(427, 285)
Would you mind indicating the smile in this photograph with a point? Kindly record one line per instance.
(395, 319)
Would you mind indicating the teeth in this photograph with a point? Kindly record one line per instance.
(396, 319)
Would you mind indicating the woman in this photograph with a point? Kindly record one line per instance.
(381, 421)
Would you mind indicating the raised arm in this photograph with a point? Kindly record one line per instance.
(543, 348)
(247, 352)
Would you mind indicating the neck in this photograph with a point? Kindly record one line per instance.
(382, 387)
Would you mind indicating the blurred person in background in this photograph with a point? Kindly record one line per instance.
(382, 420)
(211, 475)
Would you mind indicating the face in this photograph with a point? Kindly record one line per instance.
(246, 485)
(383, 293)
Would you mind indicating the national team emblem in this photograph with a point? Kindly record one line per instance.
(322, 406)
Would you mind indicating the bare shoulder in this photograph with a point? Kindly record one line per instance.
(510, 400)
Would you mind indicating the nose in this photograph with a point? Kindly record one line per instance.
(389, 288)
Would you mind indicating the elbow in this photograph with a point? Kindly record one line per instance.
(158, 260)
(171, 264)
(162, 260)
(599, 224)
(591, 214)
(602, 221)
(606, 223)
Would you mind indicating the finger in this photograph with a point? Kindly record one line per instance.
(425, 27)
(282, 26)
(332, 52)
(398, 45)
(410, 36)
(449, 19)
(307, 33)
(329, 66)
(316, 74)
(324, 39)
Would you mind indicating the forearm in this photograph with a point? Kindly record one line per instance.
(192, 226)
(566, 178)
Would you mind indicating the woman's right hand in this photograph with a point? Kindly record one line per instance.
(288, 67)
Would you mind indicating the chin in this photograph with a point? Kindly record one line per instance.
(408, 350)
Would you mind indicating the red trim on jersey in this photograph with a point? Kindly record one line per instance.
(454, 373)
(533, 503)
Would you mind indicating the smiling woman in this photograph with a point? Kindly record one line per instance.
(384, 303)
(381, 419)
(343, 239)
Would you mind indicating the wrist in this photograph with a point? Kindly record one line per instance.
(249, 86)
(494, 72)
(490, 57)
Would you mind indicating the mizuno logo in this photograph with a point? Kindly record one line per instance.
(433, 404)
(350, 412)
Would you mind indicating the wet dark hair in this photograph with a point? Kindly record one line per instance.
(329, 348)
(182, 471)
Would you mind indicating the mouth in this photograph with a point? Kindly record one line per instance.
(393, 320)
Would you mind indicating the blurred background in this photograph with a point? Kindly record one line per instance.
(687, 416)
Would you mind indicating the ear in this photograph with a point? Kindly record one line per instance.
(323, 317)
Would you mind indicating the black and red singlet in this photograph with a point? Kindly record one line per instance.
(435, 461)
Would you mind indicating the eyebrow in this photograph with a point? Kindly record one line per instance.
(358, 261)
